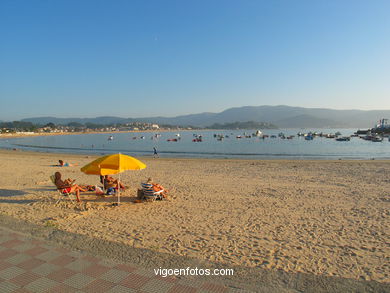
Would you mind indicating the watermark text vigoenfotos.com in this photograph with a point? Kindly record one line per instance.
(193, 272)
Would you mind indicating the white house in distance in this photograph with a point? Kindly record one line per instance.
(155, 126)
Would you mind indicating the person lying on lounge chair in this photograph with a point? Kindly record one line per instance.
(67, 186)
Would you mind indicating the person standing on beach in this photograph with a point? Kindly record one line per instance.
(155, 154)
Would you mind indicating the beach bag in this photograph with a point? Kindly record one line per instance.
(99, 191)
(140, 194)
(111, 191)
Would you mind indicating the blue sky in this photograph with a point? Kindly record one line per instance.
(167, 58)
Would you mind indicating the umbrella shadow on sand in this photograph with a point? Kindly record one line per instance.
(108, 199)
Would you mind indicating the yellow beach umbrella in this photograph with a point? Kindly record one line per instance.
(113, 164)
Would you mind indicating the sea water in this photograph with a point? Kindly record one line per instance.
(250, 147)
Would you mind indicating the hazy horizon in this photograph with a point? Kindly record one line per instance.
(167, 58)
(90, 117)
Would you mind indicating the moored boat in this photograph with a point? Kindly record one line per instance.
(343, 138)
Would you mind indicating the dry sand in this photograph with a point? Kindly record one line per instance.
(319, 218)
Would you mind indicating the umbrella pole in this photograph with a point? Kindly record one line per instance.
(119, 188)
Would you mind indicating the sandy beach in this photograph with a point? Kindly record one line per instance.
(316, 218)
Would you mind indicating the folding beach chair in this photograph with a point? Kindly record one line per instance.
(62, 193)
(149, 193)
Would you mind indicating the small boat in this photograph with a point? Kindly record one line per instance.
(172, 139)
(344, 138)
(377, 139)
(309, 137)
(110, 137)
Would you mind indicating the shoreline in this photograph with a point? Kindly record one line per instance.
(143, 157)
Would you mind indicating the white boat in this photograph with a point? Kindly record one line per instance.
(110, 137)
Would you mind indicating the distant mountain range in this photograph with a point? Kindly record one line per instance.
(281, 116)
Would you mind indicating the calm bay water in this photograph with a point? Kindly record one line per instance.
(210, 147)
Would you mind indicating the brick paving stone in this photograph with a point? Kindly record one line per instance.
(41, 285)
(78, 265)
(75, 254)
(114, 275)
(48, 255)
(11, 243)
(14, 235)
(192, 282)
(126, 268)
(107, 263)
(37, 242)
(169, 279)
(61, 250)
(62, 288)
(134, 281)
(178, 288)
(145, 273)
(91, 259)
(95, 270)
(35, 250)
(11, 273)
(78, 281)
(30, 264)
(99, 286)
(6, 287)
(7, 253)
(24, 279)
(4, 238)
(45, 269)
(157, 286)
(212, 287)
(61, 275)
(122, 289)
(4, 265)
(18, 258)
(62, 260)
(21, 290)
(23, 247)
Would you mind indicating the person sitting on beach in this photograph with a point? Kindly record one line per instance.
(67, 186)
(158, 188)
(110, 183)
(63, 164)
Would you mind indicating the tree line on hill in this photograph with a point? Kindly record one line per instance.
(24, 126)
(243, 125)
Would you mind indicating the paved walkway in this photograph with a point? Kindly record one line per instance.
(28, 265)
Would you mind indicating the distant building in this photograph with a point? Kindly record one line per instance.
(155, 126)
